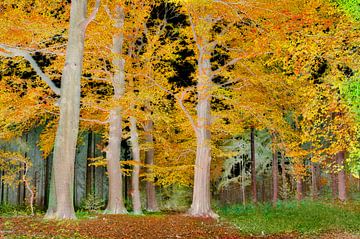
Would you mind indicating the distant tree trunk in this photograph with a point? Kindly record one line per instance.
(341, 176)
(263, 188)
(299, 188)
(89, 168)
(135, 148)
(201, 202)
(314, 186)
(283, 178)
(243, 191)
(151, 203)
(61, 199)
(334, 183)
(116, 202)
(318, 178)
(275, 176)
(253, 165)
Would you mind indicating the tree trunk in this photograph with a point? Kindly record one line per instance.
(275, 176)
(340, 157)
(263, 190)
(201, 202)
(283, 178)
(334, 183)
(135, 148)
(299, 188)
(116, 201)
(243, 188)
(253, 165)
(314, 185)
(67, 132)
(151, 203)
(89, 168)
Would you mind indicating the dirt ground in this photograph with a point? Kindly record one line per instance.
(127, 226)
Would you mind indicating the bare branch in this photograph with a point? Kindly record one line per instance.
(19, 52)
(230, 63)
(91, 16)
(94, 121)
(107, 10)
(179, 100)
(185, 110)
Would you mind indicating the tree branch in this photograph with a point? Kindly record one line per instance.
(18, 52)
(230, 63)
(91, 16)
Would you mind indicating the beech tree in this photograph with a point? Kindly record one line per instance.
(61, 196)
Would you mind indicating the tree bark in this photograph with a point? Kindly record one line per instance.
(135, 148)
(243, 188)
(263, 190)
(116, 202)
(201, 202)
(89, 168)
(299, 188)
(334, 183)
(314, 185)
(340, 158)
(283, 178)
(275, 176)
(151, 202)
(67, 132)
(253, 165)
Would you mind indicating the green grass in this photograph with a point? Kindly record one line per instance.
(308, 217)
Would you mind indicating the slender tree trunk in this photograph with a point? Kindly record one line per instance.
(334, 183)
(340, 157)
(263, 190)
(253, 165)
(243, 188)
(314, 186)
(151, 203)
(299, 188)
(67, 132)
(90, 168)
(116, 201)
(135, 148)
(283, 178)
(275, 176)
(201, 202)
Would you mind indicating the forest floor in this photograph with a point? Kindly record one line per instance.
(309, 219)
(128, 226)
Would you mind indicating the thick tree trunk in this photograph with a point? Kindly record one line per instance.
(201, 202)
(253, 166)
(340, 158)
(67, 132)
(116, 202)
(151, 202)
(314, 185)
(299, 188)
(135, 148)
(275, 176)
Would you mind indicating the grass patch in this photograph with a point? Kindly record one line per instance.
(307, 217)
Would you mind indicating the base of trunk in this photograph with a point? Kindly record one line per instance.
(116, 210)
(60, 215)
(205, 214)
(137, 212)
